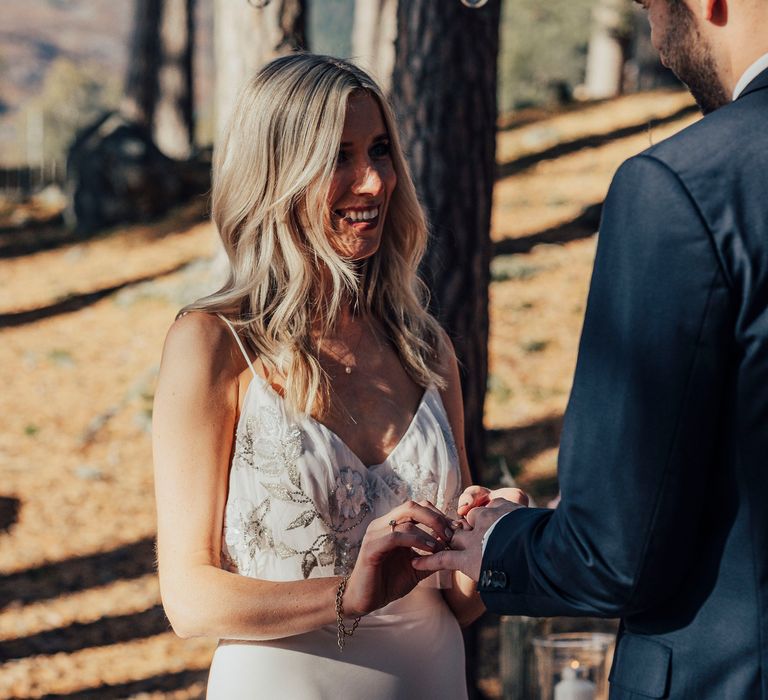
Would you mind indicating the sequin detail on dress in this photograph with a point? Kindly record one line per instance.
(272, 449)
(299, 502)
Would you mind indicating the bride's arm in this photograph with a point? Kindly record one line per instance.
(462, 597)
(195, 411)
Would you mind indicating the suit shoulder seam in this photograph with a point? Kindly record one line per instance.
(694, 203)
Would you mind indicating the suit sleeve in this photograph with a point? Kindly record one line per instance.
(640, 436)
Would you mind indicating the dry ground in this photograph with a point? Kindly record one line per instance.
(79, 602)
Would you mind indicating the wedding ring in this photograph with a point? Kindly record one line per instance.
(392, 524)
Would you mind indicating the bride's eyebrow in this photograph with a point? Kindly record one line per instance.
(381, 137)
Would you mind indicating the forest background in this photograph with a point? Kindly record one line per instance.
(82, 320)
(66, 60)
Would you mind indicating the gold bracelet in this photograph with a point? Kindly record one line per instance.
(343, 632)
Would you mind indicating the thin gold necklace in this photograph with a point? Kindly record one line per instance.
(350, 351)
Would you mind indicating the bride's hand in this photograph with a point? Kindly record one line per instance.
(476, 496)
(383, 571)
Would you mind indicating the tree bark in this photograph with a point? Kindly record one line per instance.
(141, 85)
(607, 49)
(444, 91)
(373, 38)
(246, 36)
(173, 125)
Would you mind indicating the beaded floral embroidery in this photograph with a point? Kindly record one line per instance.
(312, 533)
(349, 493)
(420, 482)
(274, 452)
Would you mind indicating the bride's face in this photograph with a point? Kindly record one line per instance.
(363, 181)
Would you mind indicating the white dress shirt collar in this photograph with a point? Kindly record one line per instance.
(750, 74)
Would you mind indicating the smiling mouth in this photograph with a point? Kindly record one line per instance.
(362, 217)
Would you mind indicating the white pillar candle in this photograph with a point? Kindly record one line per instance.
(571, 687)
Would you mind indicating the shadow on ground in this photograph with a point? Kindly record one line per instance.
(39, 236)
(522, 443)
(9, 512)
(78, 573)
(583, 226)
(527, 441)
(75, 302)
(107, 630)
(164, 682)
(519, 165)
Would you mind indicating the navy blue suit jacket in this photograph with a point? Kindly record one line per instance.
(664, 455)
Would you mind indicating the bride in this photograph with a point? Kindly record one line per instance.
(308, 435)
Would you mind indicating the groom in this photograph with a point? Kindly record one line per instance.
(664, 455)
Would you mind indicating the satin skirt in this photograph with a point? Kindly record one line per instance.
(410, 650)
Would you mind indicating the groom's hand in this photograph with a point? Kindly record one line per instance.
(466, 552)
(476, 496)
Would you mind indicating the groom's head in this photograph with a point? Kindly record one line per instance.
(708, 44)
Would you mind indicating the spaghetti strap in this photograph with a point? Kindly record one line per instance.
(239, 344)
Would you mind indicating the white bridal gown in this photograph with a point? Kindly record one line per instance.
(298, 505)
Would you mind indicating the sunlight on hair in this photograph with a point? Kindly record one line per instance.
(272, 173)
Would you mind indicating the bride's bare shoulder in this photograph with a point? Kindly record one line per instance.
(201, 345)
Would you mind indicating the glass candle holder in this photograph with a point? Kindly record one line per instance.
(573, 665)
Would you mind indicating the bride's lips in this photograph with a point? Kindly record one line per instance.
(362, 225)
(354, 217)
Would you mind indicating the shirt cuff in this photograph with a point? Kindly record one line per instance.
(489, 531)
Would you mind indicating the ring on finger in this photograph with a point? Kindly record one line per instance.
(394, 523)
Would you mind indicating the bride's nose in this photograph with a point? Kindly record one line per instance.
(367, 180)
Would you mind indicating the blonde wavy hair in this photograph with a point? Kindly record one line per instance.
(272, 175)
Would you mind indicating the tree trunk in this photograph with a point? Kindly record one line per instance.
(444, 91)
(246, 36)
(141, 85)
(373, 38)
(173, 125)
(607, 48)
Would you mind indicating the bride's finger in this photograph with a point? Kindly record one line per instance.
(413, 528)
(410, 538)
(421, 514)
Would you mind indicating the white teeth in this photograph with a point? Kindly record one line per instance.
(362, 215)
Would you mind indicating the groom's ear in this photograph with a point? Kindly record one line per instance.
(715, 11)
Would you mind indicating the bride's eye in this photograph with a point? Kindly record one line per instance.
(380, 149)
(343, 157)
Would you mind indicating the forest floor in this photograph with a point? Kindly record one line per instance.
(82, 327)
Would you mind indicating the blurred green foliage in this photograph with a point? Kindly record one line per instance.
(329, 26)
(543, 50)
(543, 45)
(542, 58)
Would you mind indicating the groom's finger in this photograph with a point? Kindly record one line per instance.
(483, 518)
(510, 494)
(441, 561)
(462, 539)
(472, 497)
